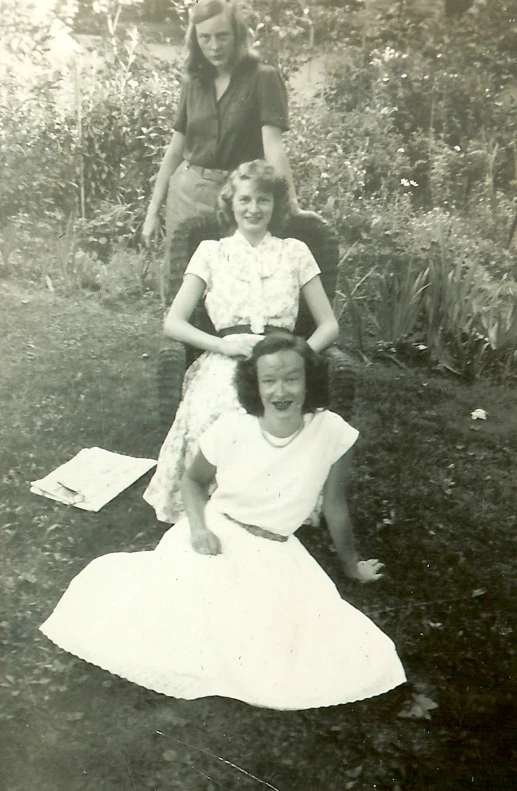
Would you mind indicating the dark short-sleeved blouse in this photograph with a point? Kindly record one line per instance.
(224, 133)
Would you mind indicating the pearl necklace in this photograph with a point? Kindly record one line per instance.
(289, 439)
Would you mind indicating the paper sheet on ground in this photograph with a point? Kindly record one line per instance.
(92, 478)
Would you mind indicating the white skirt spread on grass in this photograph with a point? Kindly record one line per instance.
(261, 622)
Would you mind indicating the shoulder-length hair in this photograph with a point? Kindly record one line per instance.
(316, 372)
(196, 65)
(266, 178)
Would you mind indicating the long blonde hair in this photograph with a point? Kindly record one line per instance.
(196, 65)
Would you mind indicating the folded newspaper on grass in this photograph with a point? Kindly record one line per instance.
(92, 478)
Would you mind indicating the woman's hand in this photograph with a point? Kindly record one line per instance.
(239, 345)
(368, 570)
(151, 225)
(304, 214)
(205, 542)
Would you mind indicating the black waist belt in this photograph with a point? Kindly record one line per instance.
(241, 329)
(261, 532)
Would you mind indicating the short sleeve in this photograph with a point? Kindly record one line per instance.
(180, 122)
(203, 261)
(340, 436)
(215, 439)
(303, 261)
(272, 98)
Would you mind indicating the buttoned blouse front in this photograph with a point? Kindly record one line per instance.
(251, 285)
(224, 133)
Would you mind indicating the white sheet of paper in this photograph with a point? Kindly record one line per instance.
(92, 478)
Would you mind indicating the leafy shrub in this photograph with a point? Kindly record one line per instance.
(452, 314)
(127, 124)
(56, 160)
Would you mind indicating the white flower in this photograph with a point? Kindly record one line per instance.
(478, 414)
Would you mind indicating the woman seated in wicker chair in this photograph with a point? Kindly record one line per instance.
(251, 282)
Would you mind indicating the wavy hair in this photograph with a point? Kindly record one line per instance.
(266, 178)
(316, 372)
(196, 65)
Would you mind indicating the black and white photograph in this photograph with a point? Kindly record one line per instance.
(258, 395)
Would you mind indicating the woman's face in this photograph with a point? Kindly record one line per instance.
(217, 41)
(252, 208)
(281, 383)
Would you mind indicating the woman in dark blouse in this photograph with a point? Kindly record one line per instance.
(232, 109)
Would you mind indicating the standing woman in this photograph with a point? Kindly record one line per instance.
(232, 109)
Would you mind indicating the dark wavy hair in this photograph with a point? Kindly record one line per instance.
(266, 178)
(316, 372)
(196, 65)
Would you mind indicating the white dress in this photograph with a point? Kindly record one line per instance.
(261, 622)
(245, 285)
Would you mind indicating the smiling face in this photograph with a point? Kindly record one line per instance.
(216, 41)
(252, 208)
(281, 383)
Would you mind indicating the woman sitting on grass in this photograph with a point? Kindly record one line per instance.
(251, 282)
(230, 603)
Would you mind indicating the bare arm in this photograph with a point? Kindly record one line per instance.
(194, 488)
(335, 511)
(275, 155)
(177, 323)
(171, 161)
(327, 328)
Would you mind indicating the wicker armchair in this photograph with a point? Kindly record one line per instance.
(174, 357)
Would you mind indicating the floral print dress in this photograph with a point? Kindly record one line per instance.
(245, 285)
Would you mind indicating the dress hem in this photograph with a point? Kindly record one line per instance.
(249, 701)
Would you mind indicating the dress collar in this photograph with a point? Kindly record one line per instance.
(243, 242)
(248, 262)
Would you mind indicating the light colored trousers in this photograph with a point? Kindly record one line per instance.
(193, 191)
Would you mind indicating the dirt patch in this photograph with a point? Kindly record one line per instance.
(434, 496)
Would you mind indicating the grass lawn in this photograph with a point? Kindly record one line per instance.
(434, 497)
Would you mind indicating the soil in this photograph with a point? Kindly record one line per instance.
(434, 497)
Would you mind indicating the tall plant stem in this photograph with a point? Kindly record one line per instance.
(78, 104)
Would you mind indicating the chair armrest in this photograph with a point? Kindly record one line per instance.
(169, 379)
(342, 381)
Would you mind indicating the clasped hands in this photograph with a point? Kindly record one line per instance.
(239, 345)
